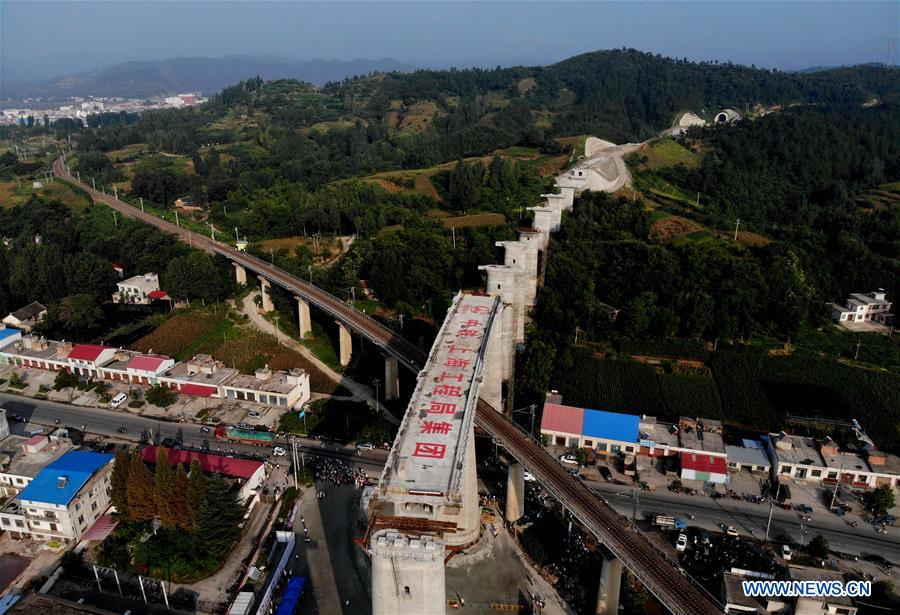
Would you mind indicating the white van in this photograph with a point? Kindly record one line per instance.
(117, 400)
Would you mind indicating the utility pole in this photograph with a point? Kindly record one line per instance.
(856, 354)
(93, 183)
(115, 219)
(836, 487)
(116, 193)
(236, 238)
(310, 274)
(212, 230)
(142, 202)
(79, 176)
(576, 335)
(18, 184)
(276, 328)
(453, 231)
(737, 223)
(177, 223)
(271, 256)
(771, 509)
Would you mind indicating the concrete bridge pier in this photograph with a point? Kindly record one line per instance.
(610, 586)
(515, 492)
(509, 283)
(304, 320)
(568, 193)
(407, 574)
(240, 274)
(346, 343)
(267, 305)
(524, 255)
(491, 389)
(391, 378)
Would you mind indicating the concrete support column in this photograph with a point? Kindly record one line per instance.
(522, 254)
(568, 193)
(557, 201)
(610, 586)
(469, 524)
(407, 574)
(240, 274)
(391, 378)
(267, 305)
(515, 492)
(304, 320)
(346, 343)
(491, 389)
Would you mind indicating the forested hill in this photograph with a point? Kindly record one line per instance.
(407, 120)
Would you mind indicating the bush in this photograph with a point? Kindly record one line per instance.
(161, 396)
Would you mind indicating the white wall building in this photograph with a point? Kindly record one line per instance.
(64, 499)
(861, 307)
(136, 289)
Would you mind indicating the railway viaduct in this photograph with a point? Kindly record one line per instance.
(426, 503)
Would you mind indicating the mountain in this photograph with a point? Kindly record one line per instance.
(207, 75)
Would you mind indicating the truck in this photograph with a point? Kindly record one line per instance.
(244, 436)
(667, 522)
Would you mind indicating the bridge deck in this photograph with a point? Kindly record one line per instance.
(428, 456)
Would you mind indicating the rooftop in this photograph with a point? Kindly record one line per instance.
(610, 425)
(146, 282)
(701, 435)
(747, 456)
(5, 334)
(803, 573)
(87, 352)
(29, 311)
(40, 349)
(845, 460)
(61, 480)
(147, 362)
(267, 380)
(562, 419)
(661, 434)
(797, 450)
(14, 460)
(211, 463)
(734, 593)
(186, 373)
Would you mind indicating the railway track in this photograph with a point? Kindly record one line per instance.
(654, 569)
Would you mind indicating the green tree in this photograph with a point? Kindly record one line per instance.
(90, 274)
(196, 492)
(183, 516)
(194, 276)
(818, 547)
(883, 499)
(218, 518)
(164, 489)
(118, 491)
(160, 396)
(65, 379)
(140, 491)
(80, 313)
(536, 367)
(639, 313)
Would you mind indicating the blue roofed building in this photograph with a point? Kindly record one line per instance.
(614, 428)
(64, 499)
(8, 336)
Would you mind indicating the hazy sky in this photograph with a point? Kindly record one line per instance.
(45, 39)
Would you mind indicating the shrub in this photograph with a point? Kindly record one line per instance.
(161, 396)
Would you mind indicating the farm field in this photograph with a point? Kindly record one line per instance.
(10, 195)
(747, 385)
(200, 331)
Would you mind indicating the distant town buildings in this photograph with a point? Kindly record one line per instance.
(79, 108)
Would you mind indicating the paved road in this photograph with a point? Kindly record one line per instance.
(745, 516)
(105, 423)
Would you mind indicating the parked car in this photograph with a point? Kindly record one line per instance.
(36, 431)
(253, 414)
(730, 531)
(279, 452)
(204, 429)
(786, 552)
(681, 543)
(118, 400)
(529, 477)
(605, 473)
(571, 460)
(804, 508)
(365, 446)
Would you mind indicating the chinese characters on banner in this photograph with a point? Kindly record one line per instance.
(451, 382)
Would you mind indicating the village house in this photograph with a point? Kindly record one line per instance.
(139, 290)
(27, 317)
(861, 307)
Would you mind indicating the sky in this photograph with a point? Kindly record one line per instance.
(39, 40)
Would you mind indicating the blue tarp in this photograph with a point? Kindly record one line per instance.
(291, 596)
(610, 425)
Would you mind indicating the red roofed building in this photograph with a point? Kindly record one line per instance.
(158, 295)
(144, 368)
(249, 471)
(700, 466)
(562, 424)
(84, 359)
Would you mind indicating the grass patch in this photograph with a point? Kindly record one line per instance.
(178, 332)
(474, 220)
(667, 152)
(72, 197)
(221, 330)
(320, 344)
